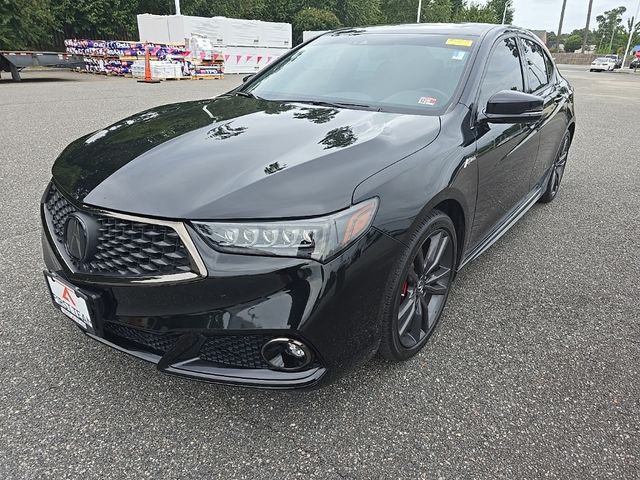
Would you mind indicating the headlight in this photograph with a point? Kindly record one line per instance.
(318, 238)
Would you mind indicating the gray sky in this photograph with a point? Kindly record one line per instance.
(545, 14)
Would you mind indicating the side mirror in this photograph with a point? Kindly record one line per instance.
(511, 106)
(244, 79)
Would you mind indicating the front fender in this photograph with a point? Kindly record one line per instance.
(445, 170)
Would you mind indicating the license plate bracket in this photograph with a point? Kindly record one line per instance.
(79, 305)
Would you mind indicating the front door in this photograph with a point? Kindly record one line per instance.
(505, 153)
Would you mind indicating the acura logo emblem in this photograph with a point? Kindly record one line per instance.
(76, 237)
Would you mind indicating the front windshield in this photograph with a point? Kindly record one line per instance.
(384, 71)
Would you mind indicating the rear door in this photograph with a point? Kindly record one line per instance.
(541, 80)
(505, 152)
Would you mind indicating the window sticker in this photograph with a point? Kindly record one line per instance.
(427, 101)
(459, 42)
(458, 55)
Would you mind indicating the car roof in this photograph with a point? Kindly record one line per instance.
(475, 29)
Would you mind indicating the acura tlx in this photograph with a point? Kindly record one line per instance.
(314, 216)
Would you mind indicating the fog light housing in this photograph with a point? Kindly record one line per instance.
(286, 354)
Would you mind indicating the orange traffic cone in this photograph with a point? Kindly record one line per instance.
(147, 67)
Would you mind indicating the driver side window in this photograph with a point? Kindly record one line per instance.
(503, 72)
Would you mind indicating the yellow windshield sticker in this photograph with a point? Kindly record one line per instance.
(459, 42)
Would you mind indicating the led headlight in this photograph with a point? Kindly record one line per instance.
(318, 238)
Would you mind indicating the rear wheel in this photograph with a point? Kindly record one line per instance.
(557, 170)
(418, 288)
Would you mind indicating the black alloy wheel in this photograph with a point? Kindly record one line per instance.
(419, 289)
(557, 170)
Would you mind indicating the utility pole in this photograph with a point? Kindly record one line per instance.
(177, 7)
(419, 10)
(633, 21)
(564, 5)
(585, 39)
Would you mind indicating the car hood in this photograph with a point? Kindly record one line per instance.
(236, 158)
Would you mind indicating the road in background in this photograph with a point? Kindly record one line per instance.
(533, 371)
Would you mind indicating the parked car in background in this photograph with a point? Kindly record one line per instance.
(617, 60)
(603, 64)
(635, 64)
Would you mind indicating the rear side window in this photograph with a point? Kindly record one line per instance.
(503, 71)
(539, 66)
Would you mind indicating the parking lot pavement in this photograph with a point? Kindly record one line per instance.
(533, 371)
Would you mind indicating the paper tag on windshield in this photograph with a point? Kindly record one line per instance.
(458, 55)
(427, 101)
(459, 42)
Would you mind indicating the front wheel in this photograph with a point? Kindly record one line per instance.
(557, 170)
(418, 288)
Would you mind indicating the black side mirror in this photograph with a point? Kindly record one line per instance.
(244, 79)
(511, 106)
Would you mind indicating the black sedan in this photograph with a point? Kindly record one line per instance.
(317, 214)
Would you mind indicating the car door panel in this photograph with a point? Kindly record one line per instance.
(551, 127)
(505, 152)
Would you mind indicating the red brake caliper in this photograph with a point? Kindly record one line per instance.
(405, 289)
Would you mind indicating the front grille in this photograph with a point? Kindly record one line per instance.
(235, 351)
(123, 247)
(158, 343)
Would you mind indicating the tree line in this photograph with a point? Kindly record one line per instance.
(610, 35)
(43, 24)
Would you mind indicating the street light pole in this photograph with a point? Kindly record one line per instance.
(419, 10)
(633, 20)
(177, 7)
(507, 4)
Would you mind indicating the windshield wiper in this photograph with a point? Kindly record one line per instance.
(248, 95)
(323, 103)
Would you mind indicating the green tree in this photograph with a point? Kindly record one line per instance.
(100, 18)
(474, 12)
(354, 13)
(610, 30)
(405, 11)
(572, 43)
(313, 19)
(278, 11)
(498, 7)
(24, 23)
(436, 11)
(457, 6)
(399, 11)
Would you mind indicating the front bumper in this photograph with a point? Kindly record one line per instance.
(212, 328)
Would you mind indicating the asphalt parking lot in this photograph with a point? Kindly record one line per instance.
(532, 373)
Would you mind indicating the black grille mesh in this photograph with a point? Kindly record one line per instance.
(124, 247)
(239, 351)
(231, 351)
(159, 343)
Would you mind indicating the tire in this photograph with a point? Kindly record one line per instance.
(415, 297)
(557, 170)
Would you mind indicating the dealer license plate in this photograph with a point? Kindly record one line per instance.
(72, 302)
